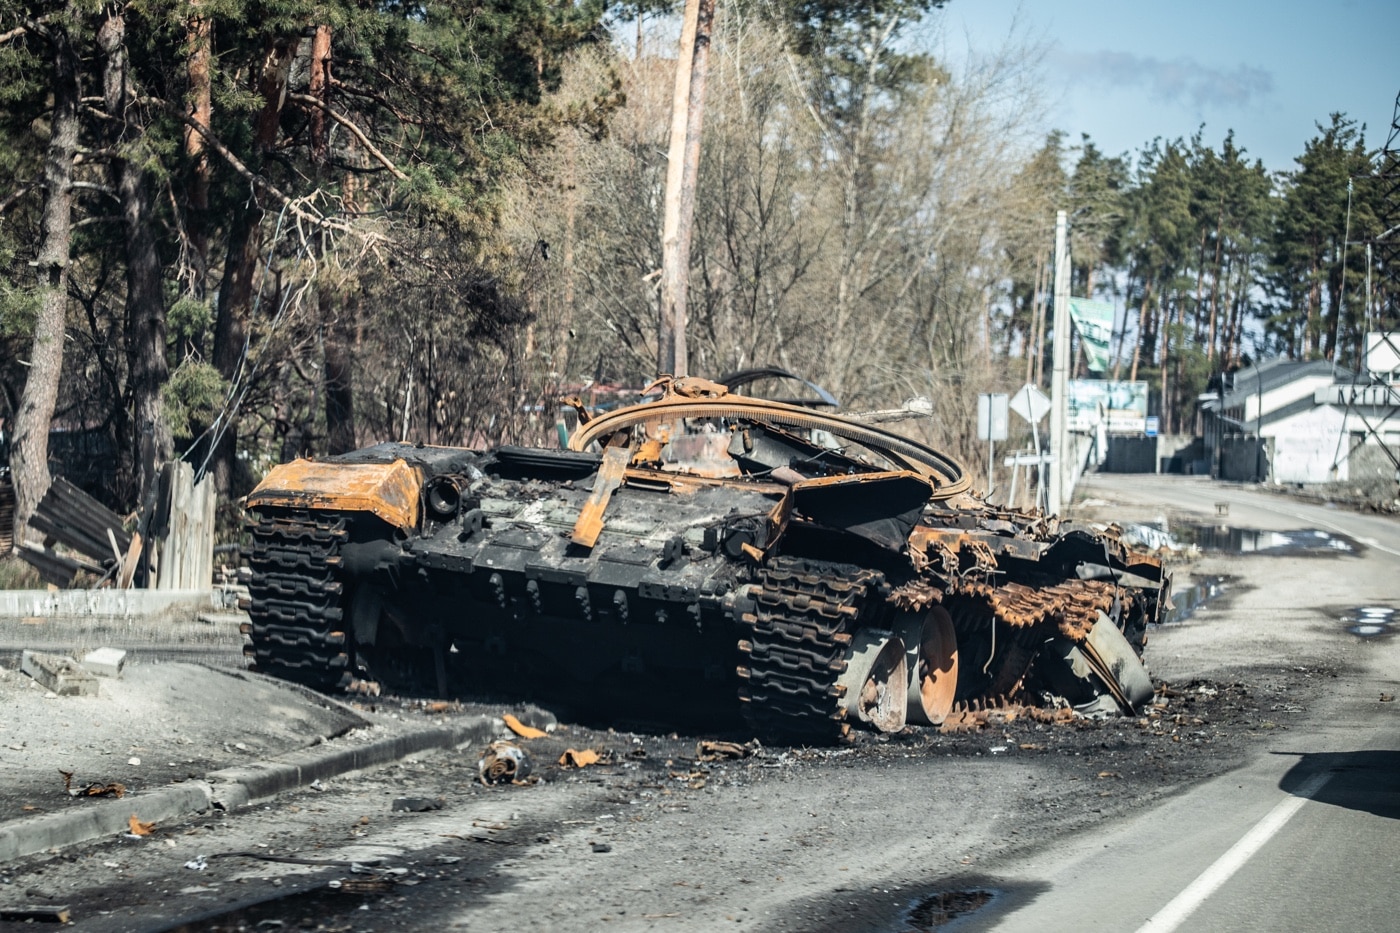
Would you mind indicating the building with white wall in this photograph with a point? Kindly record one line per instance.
(1285, 421)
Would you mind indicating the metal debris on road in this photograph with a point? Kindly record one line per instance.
(574, 758)
(94, 789)
(416, 804)
(504, 763)
(522, 730)
(718, 751)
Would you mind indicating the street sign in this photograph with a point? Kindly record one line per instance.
(1027, 458)
(1152, 425)
(1030, 403)
(991, 416)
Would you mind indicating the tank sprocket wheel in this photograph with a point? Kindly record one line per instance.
(295, 628)
(794, 648)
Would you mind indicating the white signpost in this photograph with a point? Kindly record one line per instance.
(1032, 405)
(991, 427)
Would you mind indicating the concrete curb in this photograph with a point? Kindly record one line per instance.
(230, 788)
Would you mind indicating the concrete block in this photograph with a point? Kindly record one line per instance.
(105, 662)
(64, 676)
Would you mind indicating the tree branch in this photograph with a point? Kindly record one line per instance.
(18, 193)
(355, 131)
(257, 180)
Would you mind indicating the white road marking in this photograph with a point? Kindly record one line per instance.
(1207, 882)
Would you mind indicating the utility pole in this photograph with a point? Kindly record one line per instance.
(682, 169)
(1059, 383)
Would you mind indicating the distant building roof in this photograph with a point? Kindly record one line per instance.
(1270, 374)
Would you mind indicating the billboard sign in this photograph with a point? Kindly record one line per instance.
(1120, 406)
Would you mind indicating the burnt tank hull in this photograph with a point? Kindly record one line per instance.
(711, 559)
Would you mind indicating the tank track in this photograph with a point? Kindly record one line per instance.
(794, 649)
(295, 609)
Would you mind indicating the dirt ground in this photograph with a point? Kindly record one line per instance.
(654, 836)
(158, 723)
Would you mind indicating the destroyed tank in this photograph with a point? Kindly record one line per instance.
(707, 559)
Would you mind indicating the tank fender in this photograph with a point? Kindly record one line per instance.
(388, 490)
(880, 507)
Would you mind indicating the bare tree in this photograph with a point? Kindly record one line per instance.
(29, 456)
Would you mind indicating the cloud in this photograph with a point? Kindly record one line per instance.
(1179, 81)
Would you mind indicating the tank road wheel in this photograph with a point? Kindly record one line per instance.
(797, 639)
(295, 630)
(932, 661)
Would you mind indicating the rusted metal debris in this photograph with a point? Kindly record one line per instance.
(693, 556)
(93, 789)
(721, 751)
(504, 763)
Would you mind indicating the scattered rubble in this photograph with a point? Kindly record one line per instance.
(416, 804)
(63, 676)
(105, 662)
(93, 789)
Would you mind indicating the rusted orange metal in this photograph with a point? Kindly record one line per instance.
(388, 490)
(710, 401)
(610, 475)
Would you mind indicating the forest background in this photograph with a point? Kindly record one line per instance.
(243, 232)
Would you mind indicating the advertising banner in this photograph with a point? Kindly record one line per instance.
(1094, 321)
(1120, 406)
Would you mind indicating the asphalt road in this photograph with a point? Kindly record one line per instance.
(1260, 795)
(1303, 837)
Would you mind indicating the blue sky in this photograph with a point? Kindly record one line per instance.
(1127, 71)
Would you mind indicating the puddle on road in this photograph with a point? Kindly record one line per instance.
(1370, 621)
(1193, 596)
(943, 907)
(1229, 539)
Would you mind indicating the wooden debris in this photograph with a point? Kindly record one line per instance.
(36, 914)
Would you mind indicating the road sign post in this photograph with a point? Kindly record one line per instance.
(1032, 404)
(991, 427)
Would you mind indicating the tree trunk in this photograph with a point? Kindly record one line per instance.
(320, 88)
(1034, 301)
(29, 456)
(200, 105)
(244, 251)
(1215, 282)
(145, 306)
(1200, 286)
(337, 331)
(671, 349)
(1165, 326)
(337, 336)
(1141, 328)
(1042, 309)
(1334, 310)
(1122, 335)
(1310, 327)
